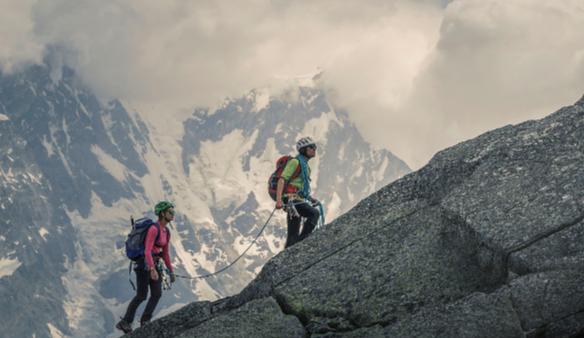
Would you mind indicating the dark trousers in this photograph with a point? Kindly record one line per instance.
(143, 280)
(306, 211)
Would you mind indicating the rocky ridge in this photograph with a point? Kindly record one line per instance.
(484, 241)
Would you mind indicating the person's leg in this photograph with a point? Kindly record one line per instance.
(142, 279)
(293, 230)
(155, 294)
(311, 214)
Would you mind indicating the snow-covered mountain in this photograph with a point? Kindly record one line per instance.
(74, 169)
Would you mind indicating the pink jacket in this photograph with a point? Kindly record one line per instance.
(163, 245)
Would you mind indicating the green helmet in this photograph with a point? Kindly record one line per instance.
(161, 206)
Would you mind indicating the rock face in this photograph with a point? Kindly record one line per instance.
(487, 240)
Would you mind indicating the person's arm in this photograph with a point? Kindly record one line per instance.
(279, 190)
(285, 177)
(166, 254)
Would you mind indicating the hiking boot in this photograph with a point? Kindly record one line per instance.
(124, 326)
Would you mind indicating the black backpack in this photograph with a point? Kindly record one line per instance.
(137, 237)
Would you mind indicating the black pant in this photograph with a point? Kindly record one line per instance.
(143, 280)
(307, 211)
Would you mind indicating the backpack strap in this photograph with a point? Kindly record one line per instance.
(297, 171)
(157, 225)
(157, 233)
(294, 175)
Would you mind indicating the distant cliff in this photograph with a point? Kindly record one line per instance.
(487, 240)
(74, 169)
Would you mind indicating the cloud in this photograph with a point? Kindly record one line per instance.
(416, 75)
(17, 39)
(200, 52)
(495, 62)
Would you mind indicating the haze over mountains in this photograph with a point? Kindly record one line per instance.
(74, 169)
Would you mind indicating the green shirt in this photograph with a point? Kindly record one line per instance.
(288, 171)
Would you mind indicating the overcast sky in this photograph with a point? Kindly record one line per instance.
(415, 75)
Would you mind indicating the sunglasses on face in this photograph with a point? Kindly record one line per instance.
(170, 211)
(311, 147)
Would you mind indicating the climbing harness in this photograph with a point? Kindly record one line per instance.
(291, 209)
(162, 271)
(293, 212)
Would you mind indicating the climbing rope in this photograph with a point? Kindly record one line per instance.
(238, 258)
(290, 206)
(321, 209)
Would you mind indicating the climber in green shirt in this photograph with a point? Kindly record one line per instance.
(296, 189)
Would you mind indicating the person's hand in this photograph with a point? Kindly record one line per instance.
(279, 204)
(172, 277)
(153, 274)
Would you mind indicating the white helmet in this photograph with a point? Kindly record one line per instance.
(304, 142)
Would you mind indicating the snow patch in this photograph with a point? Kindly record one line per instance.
(8, 266)
(167, 165)
(261, 168)
(218, 170)
(261, 100)
(4, 117)
(341, 154)
(9, 177)
(333, 208)
(31, 87)
(201, 287)
(97, 254)
(380, 173)
(108, 124)
(242, 243)
(55, 333)
(276, 244)
(54, 130)
(82, 106)
(48, 146)
(82, 297)
(65, 128)
(318, 128)
(32, 177)
(201, 258)
(43, 232)
(113, 166)
(351, 195)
